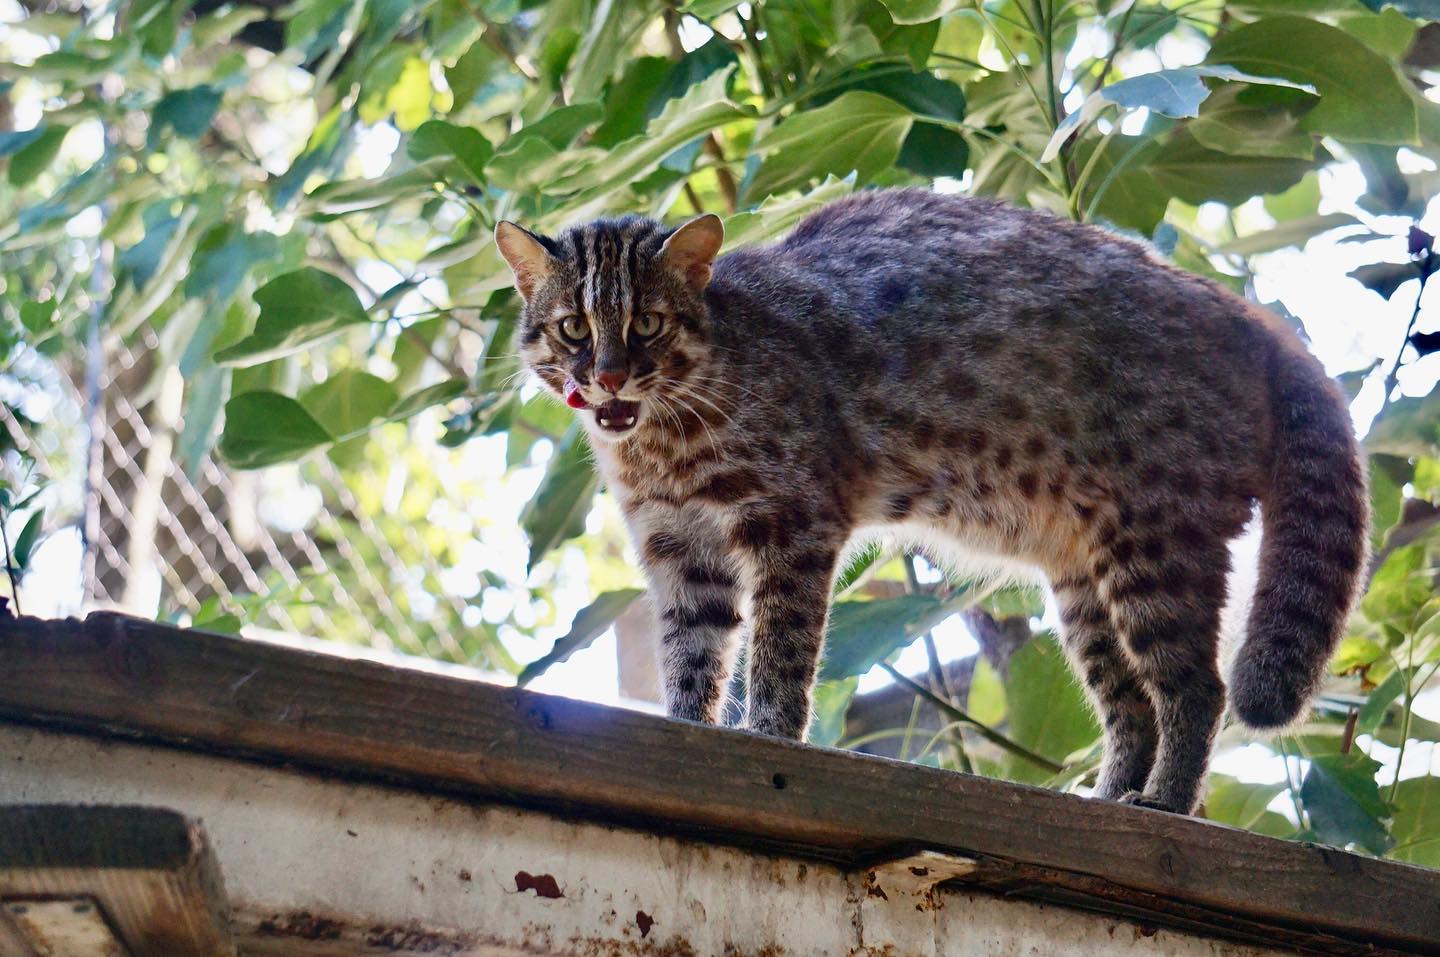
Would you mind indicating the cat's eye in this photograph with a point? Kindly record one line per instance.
(575, 328)
(646, 324)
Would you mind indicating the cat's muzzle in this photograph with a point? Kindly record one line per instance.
(617, 416)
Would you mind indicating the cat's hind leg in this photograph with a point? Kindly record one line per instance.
(1166, 604)
(1112, 685)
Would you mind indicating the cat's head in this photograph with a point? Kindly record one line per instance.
(614, 319)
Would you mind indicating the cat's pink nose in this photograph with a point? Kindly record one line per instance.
(611, 380)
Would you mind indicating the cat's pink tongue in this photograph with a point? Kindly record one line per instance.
(573, 398)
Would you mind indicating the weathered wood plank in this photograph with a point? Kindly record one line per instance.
(538, 751)
(146, 873)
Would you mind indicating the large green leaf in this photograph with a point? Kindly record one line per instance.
(1230, 125)
(1406, 427)
(558, 509)
(1294, 232)
(859, 131)
(1344, 803)
(704, 107)
(1362, 95)
(32, 159)
(1048, 711)
(831, 703)
(930, 149)
(1244, 804)
(864, 633)
(1197, 174)
(775, 217)
(1416, 827)
(349, 401)
(590, 623)
(263, 428)
(297, 309)
(919, 11)
(466, 145)
(1176, 93)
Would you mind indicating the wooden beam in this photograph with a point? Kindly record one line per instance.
(114, 674)
(89, 881)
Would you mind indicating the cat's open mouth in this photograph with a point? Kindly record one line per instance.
(617, 415)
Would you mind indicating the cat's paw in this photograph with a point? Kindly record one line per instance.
(1141, 799)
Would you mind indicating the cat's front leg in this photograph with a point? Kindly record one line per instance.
(790, 561)
(696, 592)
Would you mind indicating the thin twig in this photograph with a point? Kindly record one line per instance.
(496, 41)
(984, 730)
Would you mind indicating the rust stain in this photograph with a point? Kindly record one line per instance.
(644, 921)
(301, 924)
(465, 875)
(544, 885)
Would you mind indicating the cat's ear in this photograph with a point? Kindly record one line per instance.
(529, 260)
(691, 249)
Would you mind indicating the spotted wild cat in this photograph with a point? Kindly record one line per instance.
(986, 381)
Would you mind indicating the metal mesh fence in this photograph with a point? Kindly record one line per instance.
(175, 539)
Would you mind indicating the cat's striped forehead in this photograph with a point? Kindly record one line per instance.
(609, 259)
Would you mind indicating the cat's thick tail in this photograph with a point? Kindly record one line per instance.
(1315, 533)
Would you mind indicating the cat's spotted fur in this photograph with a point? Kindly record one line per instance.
(971, 374)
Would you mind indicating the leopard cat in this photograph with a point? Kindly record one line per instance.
(992, 382)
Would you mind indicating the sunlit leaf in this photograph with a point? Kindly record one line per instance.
(590, 623)
(263, 428)
(296, 310)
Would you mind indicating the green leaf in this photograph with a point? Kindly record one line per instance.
(919, 11)
(1416, 828)
(297, 309)
(864, 633)
(1229, 125)
(1377, 705)
(1302, 199)
(859, 131)
(1294, 232)
(1389, 33)
(930, 149)
(1177, 93)
(27, 539)
(353, 196)
(590, 623)
(263, 428)
(830, 705)
(1399, 588)
(1407, 427)
(438, 138)
(1343, 801)
(37, 317)
(189, 112)
(1048, 711)
(558, 509)
(775, 217)
(1187, 169)
(1388, 476)
(1131, 199)
(704, 107)
(1243, 804)
(1362, 95)
(422, 399)
(986, 702)
(1355, 652)
(348, 401)
(34, 157)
